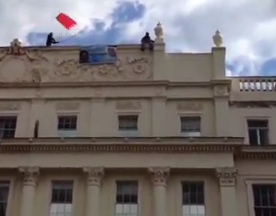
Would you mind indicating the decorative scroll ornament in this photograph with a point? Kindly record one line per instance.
(30, 175)
(94, 175)
(227, 176)
(159, 175)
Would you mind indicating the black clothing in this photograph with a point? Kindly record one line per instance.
(50, 40)
(146, 40)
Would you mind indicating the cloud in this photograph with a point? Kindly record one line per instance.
(248, 26)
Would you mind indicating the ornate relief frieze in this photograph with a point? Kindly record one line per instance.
(128, 105)
(227, 176)
(94, 175)
(190, 106)
(159, 175)
(10, 106)
(30, 175)
(25, 65)
(67, 105)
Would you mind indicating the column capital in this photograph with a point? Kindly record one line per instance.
(30, 175)
(94, 175)
(159, 175)
(227, 176)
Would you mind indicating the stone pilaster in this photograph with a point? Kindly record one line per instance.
(30, 178)
(94, 178)
(159, 176)
(227, 181)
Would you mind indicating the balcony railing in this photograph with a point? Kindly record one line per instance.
(255, 84)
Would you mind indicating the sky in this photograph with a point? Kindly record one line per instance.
(248, 26)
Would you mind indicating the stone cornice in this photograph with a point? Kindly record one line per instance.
(168, 145)
(128, 147)
(117, 144)
(149, 83)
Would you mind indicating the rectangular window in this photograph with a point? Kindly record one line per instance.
(4, 193)
(67, 126)
(258, 132)
(264, 199)
(193, 198)
(127, 198)
(62, 198)
(128, 125)
(190, 126)
(7, 126)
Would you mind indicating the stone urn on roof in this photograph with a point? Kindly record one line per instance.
(218, 39)
(158, 30)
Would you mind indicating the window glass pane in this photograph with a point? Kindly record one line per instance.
(263, 133)
(264, 199)
(67, 122)
(127, 192)
(4, 192)
(128, 122)
(8, 126)
(192, 193)
(62, 192)
(190, 124)
(253, 136)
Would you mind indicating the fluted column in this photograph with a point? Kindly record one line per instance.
(30, 177)
(227, 182)
(159, 177)
(94, 177)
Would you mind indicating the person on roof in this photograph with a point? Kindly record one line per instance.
(50, 40)
(146, 40)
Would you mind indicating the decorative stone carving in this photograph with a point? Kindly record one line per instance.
(128, 105)
(159, 175)
(15, 48)
(30, 175)
(220, 91)
(10, 106)
(36, 77)
(94, 174)
(19, 64)
(67, 70)
(67, 105)
(140, 66)
(227, 176)
(190, 106)
(217, 39)
(158, 30)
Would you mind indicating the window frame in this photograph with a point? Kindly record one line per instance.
(16, 123)
(73, 179)
(64, 116)
(125, 115)
(190, 115)
(250, 198)
(264, 118)
(114, 190)
(11, 181)
(204, 193)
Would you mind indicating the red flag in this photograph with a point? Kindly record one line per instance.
(66, 21)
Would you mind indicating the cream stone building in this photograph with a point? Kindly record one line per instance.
(149, 134)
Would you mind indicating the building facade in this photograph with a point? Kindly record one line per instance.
(149, 134)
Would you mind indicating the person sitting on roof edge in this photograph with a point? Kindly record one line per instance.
(146, 40)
